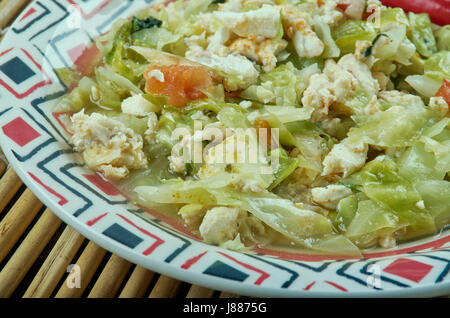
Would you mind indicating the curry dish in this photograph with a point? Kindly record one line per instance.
(322, 125)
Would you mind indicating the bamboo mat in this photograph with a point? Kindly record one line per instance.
(36, 248)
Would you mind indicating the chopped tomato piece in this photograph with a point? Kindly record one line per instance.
(181, 84)
(444, 91)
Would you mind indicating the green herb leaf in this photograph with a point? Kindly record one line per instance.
(150, 22)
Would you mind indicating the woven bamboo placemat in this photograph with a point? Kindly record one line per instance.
(36, 247)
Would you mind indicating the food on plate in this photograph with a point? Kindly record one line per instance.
(322, 125)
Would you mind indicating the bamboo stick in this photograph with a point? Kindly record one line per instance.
(199, 292)
(137, 284)
(111, 278)
(2, 166)
(88, 262)
(27, 253)
(10, 183)
(166, 287)
(55, 264)
(9, 9)
(17, 220)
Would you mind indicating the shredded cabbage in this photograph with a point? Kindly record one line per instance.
(395, 127)
(362, 162)
(421, 34)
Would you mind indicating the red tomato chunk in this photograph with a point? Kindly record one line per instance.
(182, 83)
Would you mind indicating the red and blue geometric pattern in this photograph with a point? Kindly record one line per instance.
(53, 33)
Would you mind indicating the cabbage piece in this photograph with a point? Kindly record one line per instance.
(157, 38)
(417, 164)
(233, 118)
(120, 35)
(180, 18)
(395, 127)
(424, 85)
(113, 87)
(383, 184)
(69, 76)
(436, 197)
(389, 49)
(168, 122)
(145, 31)
(105, 42)
(117, 56)
(438, 66)
(351, 31)
(280, 214)
(324, 33)
(436, 139)
(421, 34)
(211, 105)
(305, 127)
(287, 165)
(284, 217)
(391, 43)
(369, 218)
(336, 245)
(436, 69)
(441, 151)
(285, 137)
(283, 82)
(359, 102)
(282, 86)
(119, 81)
(406, 52)
(138, 124)
(346, 209)
(443, 38)
(393, 15)
(78, 98)
(288, 114)
(416, 66)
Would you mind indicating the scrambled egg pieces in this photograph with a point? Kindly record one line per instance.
(221, 224)
(337, 84)
(306, 42)
(262, 22)
(232, 64)
(107, 145)
(252, 36)
(330, 196)
(345, 158)
(224, 226)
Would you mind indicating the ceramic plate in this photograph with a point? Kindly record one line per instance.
(51, 34)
